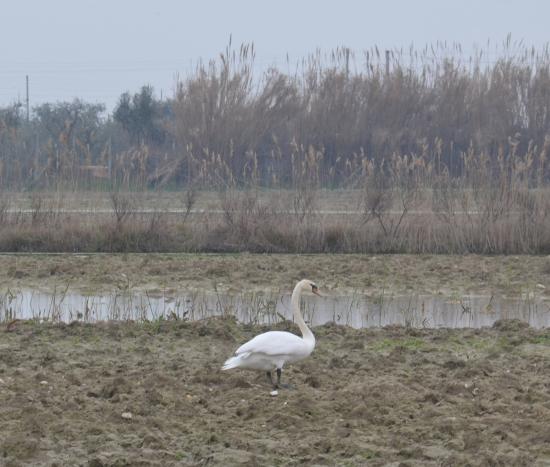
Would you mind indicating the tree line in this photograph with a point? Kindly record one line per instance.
(327, 121)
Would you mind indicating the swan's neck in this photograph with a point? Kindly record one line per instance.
(299, 320)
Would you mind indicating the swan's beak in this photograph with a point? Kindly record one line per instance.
(315, 290)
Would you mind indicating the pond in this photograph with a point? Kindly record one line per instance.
(357, 310)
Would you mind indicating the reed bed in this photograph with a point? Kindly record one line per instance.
(278, 222)
(440, 153)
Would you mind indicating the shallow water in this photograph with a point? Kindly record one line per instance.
(257, 308)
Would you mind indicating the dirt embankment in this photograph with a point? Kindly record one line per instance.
(152, 394)
(335, 274)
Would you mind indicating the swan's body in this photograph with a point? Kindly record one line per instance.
(271, 350)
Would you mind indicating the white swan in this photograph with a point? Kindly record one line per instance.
(271, 350)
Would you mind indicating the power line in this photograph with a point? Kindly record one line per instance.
(27, 86)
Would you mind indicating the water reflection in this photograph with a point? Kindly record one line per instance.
(356, 310)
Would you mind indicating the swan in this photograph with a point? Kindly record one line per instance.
(271, 350)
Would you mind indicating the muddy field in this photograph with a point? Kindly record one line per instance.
(131, 394)
(153, 394)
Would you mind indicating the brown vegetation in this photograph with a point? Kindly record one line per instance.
(440, 154)
(398, 205)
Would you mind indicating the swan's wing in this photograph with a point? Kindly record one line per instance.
(274, 343)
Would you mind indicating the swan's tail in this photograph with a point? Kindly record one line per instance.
(234, 362)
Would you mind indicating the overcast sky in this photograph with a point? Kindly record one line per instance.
(97, 49)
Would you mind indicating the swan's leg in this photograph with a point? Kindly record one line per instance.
(270, 378)
(279, 384)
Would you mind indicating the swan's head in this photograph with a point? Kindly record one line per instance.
(309, 286)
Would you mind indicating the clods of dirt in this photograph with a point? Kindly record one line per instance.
(113, 394)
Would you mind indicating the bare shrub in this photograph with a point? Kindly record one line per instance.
(5, 204)
(46, 208)
(244, 216)
(189, 200)
(124, 206)
(392, 190)
(37, 212)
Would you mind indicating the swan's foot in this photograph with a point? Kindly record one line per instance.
(278, 384)
(282, 385)
(286, 386)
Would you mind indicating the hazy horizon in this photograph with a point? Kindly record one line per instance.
(96, 50)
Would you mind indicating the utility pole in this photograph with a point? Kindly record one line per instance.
(27, 78)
